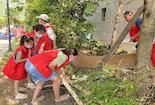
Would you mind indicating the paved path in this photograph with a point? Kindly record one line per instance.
(3, 46)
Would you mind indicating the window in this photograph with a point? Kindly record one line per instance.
(103, 10)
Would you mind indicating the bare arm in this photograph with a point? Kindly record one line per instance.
(19, 57)
(52, 36)
(52, 65)
(41, 50)
(29, 53)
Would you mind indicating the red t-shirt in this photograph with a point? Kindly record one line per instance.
(31, 34)
(134, 31)
(153, 55)
(43, 39)
(14, 70)
(48, 44)
(41, 62)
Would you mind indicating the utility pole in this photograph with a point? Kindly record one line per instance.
(8, 14)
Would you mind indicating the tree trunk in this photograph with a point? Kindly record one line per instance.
(146, 35)
(116, 23)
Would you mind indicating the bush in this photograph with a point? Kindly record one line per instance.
(67, 17)
(101, 88)
(94, 47)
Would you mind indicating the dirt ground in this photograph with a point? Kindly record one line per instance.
(7, 95)
(7, 90)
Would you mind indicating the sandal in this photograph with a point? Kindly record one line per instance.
(62, 98)
(21, 89)
(20, 96)
(30, 86)
(41, 98)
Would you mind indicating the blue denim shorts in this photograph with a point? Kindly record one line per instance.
(35, 74)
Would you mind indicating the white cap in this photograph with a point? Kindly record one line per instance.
(43, 16)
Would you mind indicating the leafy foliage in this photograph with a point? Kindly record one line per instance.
(3, 21)
(67, 18)
(103, 89)
(94, 47)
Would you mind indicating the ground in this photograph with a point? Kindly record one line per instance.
(7, 92)
(3, 46)
(7, 97)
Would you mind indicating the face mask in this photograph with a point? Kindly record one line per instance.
(39, 35)
(71, 58)
(28, 46)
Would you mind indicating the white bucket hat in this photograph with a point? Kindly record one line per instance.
(43, 16)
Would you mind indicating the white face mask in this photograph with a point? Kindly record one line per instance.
(39, 35)
(71, 58)
(28, 46)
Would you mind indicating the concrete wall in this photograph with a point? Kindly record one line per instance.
(104, 28)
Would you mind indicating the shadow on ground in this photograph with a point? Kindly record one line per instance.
(7, 95)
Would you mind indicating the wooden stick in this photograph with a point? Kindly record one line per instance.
(123, 34)
(71, 91)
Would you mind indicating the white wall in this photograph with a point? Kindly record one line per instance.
(104, 28)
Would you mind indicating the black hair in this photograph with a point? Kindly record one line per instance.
(70, 51)
(33, 27)
(40, 27)
(127, 13)
(25, 38)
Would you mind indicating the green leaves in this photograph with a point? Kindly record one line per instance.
(67, 18)
(90, 8)
(102, 89)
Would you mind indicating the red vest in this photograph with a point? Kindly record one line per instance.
(48, 44)
(153, 55)
(13, 70)
(31, 34)
(134, 31)
(47, 25)
(41, 62)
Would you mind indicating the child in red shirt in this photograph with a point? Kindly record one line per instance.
(14, 69)
(41, 41)
(44, 67)
(135, 29)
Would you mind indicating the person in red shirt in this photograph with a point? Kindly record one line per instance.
(14, 69)
(135, 29)
(44, 20)
(134, 37)
(41, 41)
(153, 55)
(44, 67)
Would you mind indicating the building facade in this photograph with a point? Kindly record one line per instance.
(103, 18)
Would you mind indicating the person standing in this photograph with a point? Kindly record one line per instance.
(44, 20)
(41, 41)
(14, 69)
(135, 29)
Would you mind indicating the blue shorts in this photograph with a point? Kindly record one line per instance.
(35, 74)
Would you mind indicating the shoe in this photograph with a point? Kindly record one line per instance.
(73, 77)
(41, 98)
(30, 86)
(62, 98)
(21, 89)
(20, 96)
